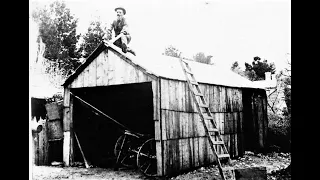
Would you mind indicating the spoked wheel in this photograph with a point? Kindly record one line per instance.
(146, 158)
(126, 157)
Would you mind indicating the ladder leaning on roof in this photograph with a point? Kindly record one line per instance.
(206, 117)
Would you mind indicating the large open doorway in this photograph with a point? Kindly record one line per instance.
(129, 104)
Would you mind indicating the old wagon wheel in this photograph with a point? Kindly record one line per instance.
(126, 157)
(146, 158)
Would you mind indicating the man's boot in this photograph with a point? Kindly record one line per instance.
(124, 48)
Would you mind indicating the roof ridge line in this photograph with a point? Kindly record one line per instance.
(117, 49)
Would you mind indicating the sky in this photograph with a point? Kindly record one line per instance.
(229, 30)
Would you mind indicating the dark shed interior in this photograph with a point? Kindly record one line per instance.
(129, 104)
(255, 119)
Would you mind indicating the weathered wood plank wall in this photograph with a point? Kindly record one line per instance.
(41, 145)
(184, 143)
(109, 69)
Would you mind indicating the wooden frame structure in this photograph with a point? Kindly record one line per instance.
(181, 143)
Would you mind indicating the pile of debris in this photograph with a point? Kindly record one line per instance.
(274, 163)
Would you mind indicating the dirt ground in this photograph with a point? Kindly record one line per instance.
(275, 163)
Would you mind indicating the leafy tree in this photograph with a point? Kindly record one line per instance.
(256, 71)
(92, 38)
(57, 29)
(237, 69)
(172, 51)
(202, 58)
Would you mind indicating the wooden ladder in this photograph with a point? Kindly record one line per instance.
(212, 133)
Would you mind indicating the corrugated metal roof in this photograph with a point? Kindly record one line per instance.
(169, 67)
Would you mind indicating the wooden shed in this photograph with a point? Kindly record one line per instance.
(150, 95)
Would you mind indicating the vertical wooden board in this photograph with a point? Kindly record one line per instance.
(176, 124)
(223, 99)
(66, 148)
(261, 122)
(105, 67)
(157, 130)
(66, 110)
(74, 83)
(186, 154)
(93, 73)
(191, 152)
(183, 123)
(222, 122)
(200, 128)
(159, 158)
(141, 77)
(120, 66)
(187, 98)
(227, 141)
(240, 100)
(36, 148)
(80, 80)
(216, 119)
(191, 128)
(235, 121)
(111, 68)
(128, 70)
(227, 123)
(216, 99)
(43, 144)
(205, 150)
(164, 130)
(156, 99)
(209, 152)
(176, 155)
(164, 94)
(228, 99)
(86, 77)
(201, 153)
(180, 153)
(194, 125)
(265, 118)
(178, 95)
(172, 95)
(165, 157)
(240, 123)
(210, 98)
(236, 150)
(196, 151)
(100, 69)
(183, 96)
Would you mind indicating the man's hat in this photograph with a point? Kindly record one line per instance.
(124, 11)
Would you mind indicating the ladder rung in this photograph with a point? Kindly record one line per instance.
(188, 71)
(194, 82)
(213, 130)
(217, 142)
(204, 105)
(207, 117)
(223, 155)
(198, 94)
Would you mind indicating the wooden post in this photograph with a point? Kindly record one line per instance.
(67, 128)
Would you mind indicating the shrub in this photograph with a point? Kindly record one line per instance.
(279, 132)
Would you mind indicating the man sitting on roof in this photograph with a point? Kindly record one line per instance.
(120, 26)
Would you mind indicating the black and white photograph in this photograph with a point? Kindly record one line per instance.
(160, 89)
